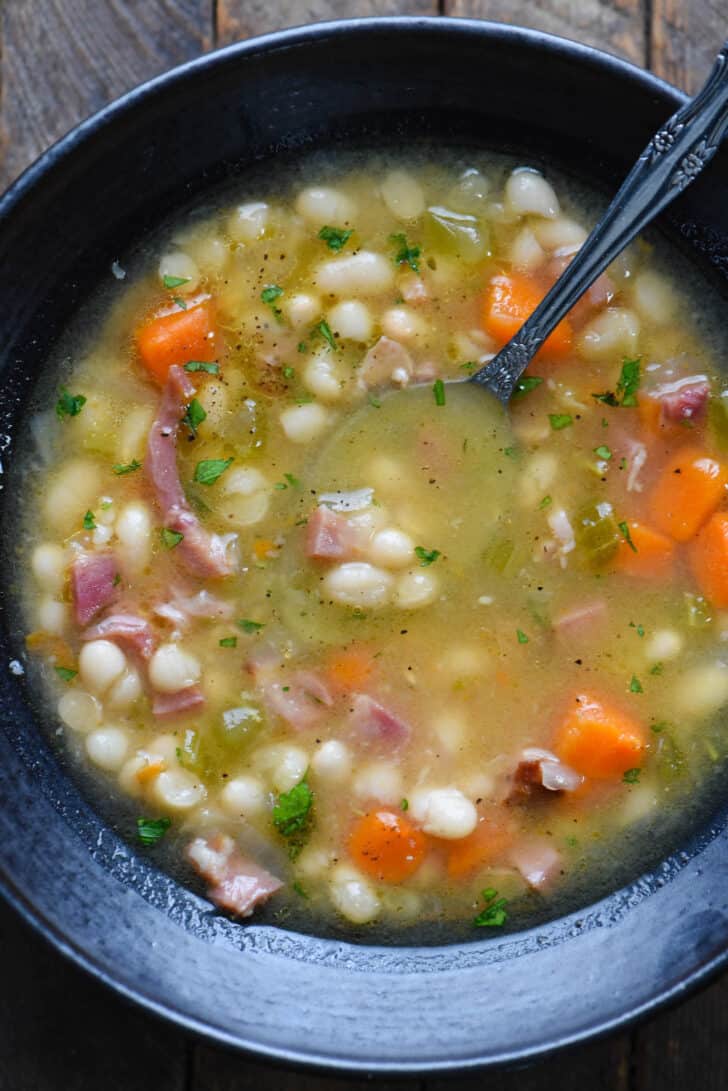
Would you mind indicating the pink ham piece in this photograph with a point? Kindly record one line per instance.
(130, 630)
(374, 724)
(683, 400)
(387, 362)
(413, 289)
(235, 882)
(182, 607)
(538, 771)
(93, 584)
(203, 553)
(537, 860)
(177, 704)
(329, 536)
(581, 621)
(299, 700)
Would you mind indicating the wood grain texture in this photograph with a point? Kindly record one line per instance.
(63, 59)
(238, 19)
(614, 25)
(603, 1066)
(685, 36)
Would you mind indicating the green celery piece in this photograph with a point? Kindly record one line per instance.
(597, 533)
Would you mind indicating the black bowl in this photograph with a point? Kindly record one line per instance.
(284, 995)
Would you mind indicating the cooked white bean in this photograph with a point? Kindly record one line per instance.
(131, 441)
(653, 297)
(352, 895)
(243, 797)
(332, 761)
(322, 377)
(529, 194)
(178, 790)
(49, 566)
(304, 423)
(290, 768)
(403, 324)
(539, 474)
(313, 862)
(125, 691)
(351, 319)
(324, 206)
(211, 254)
(527, 253)
(79, 711)
(164, 746)
(443, 812)
(379, 781)
(134, 531)
(248, 222)
(700, 691)
(465, 661)
(301, 309)
(613, 331)
(129, 774)
(180, 266)
(72, 491)
(414, 589)
(246, 493)
(403, 195)
(469, 192)
(664, 644)
(561, 234)
(391, 548)
(451, 730)
(357, 583)
(53, 616)
(100, 663)
(172, 669)
(107, 747)
(364, 273)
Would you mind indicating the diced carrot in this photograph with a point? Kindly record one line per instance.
(177, 338)
(598, 740)
(350, 668)
(688, 491)
(484, 845)
(509, 300)
(709, 560)
(54, 647)
(385, 845)
(652, 558)
(151, 771)
(263, 548)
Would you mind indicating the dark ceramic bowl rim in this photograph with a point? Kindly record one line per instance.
(378, 965)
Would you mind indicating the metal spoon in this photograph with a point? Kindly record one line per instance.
(671, 161)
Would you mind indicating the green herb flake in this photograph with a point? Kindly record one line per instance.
(89, 523)
(170, 538)
(324, 329)
(639, 629)
(174, 282)
(292, 481)
(627, 386)
(193, 416)
(526, 384)
(623, 463)
(269, 295)
(438, 390)
(200, 365)
(69, 405)
(127, 467)
(635, 686)
(603, 452)
(334, 237)
(66, 674)
(632, 776)
(469, 366)
(228, 642)
(292, 812)
(659, 726)
(299, 890)
(560, 421)
(406, 254)
(152, 830)
(210, 469)
(545, 503)
(249, 626)
(375, 402)
(289, 373)
(426, 556)
(179, 302)
(657, 669)
(522, 638)
(624, 531)
(302, 346)
(404, 804)
(117, 580)
(494, 915)
(510, 452)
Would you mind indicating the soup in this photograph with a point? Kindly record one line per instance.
(349, 636)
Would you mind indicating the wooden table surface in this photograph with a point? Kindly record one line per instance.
(59, 61)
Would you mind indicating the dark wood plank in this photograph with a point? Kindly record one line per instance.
(217, 1071)
(685, 36)
(614, 25)
(63, 59)
(60, 1029)
(242, 18)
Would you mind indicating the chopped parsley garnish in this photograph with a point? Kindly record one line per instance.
(289, 373)
(510, 452)
(404, 804)
(635, 686)
(406, 254)
(290, 480)
(624, 530)
(302, 346)
(603, 452)
(249, 626)
(325, 330)
(152, 830)
(170, 538)
(632, 776)
(180, 302)
(194, 415)
(526, 384)
(623, 463)
(560, 420)
(627, 386)
(375, 402)
(65, 673)
(545, 503)
(127, 467)
(659, 726)
(210, 469)
(69, 405)
(228, 642)
(269, 295)
(200, 365)
(89, 523)
(334, 237)
(426, 556)
(469, 365)
(494, 915)
(299, 890)
(292, 812)
(657, 669)
(438, 390)
(174, 282)
(522, 638)
(640, 629)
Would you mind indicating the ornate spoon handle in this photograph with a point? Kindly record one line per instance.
(671, 161)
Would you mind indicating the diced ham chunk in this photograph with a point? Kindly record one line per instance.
(537, 860)
(235, 882)
(129, 630)
(683, 400)
(387, 362)
(93, 579)
(182, 607)
(374, 724)
(413, 289)
(300, 699)
(539, 772)
(176, 704)
(329, 536)
(203, 553)
(581, 621)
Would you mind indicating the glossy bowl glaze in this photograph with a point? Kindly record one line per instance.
(289, 996)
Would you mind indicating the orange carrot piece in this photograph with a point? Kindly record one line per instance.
(387, 846)
(177, 338)
(264, 548)
(709, 560)
(654, 557)
(509, 300)
(54, 647)
(350, 668)
(688, 491)
(151, 771)
(477, 850)
(598, 740)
